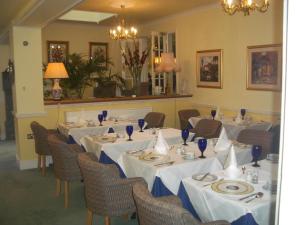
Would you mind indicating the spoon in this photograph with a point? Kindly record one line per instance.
(258, 195)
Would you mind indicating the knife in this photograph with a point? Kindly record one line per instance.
(213, 182)
(241, 199)
(205, 175)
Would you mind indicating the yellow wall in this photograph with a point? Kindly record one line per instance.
(210, 28)
(4, 57)
(79, 35)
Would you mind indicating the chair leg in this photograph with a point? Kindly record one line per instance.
(39, 161)
(58, 187)
(43, 165)
(106, 220)
(66, 194)
(89, 220)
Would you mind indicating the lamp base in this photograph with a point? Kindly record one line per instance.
(56, 90)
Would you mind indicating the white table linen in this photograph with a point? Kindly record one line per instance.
(172, 175)
(233, 128)
(211, 205)
(80, 131)
(141, 141)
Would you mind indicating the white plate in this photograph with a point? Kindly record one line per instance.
(154, 157)
(208, 178)
(232, 187)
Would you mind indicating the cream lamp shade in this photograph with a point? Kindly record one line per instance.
(167, 64)
(56, 70)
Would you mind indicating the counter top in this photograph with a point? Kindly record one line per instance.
(91, 100)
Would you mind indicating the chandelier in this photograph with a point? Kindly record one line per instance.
(231, 6)
(121, 32)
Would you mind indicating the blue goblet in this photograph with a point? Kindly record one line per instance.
(202, 143)
(104, 113)
(129, 131)
(185, 134)
(256, 152)
(243, 112)
(141, 123)
(213, 113)
(100, 118)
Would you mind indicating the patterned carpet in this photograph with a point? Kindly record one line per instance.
(27, 198)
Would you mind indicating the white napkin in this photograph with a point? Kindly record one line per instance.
(231, 169)
(223, 143)
(238, 118)
(161, 145)
(217, 113)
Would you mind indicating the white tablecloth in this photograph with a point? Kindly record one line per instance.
(141, 141)
(211, 205)
(233, 129)
(79, 132)
(171, 176)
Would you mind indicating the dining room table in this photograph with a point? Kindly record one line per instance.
(109, 148)
(74, 131)
(164, 173)
(249, 199)
(233, 127)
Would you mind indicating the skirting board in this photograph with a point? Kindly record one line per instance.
(32, 164)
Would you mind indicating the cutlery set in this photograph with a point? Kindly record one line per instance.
(251, 197)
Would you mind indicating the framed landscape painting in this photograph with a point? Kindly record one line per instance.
(209, 68)
(57, 51)
(100, 49)
(264, 70)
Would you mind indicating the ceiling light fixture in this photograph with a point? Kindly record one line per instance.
(232, 6)
(121, 32)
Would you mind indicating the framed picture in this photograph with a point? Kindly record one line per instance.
(58, 51)
(99, 48)
(209, 68)
(264, 67)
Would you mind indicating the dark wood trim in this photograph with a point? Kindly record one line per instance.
(78, 101)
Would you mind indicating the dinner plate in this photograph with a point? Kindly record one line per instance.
(232, 187)
(154, 157)
(208, 178)
(105, 139)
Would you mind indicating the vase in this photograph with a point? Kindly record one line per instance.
(137, 85)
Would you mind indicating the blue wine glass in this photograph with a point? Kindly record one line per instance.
(256, 152)
(129, 131)
(104, 113)
(202, 143)
(141, 123)
(100, 118)
(213, 113)
(185, 134)
(243, 112)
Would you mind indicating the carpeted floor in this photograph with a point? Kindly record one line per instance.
(8, 156)
(27, 198)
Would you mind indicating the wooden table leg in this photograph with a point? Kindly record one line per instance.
(66, 194)
(39, 161)
(43, 165)
(89, 220)
(58, 187)
(107, 220)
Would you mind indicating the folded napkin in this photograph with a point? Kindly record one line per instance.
(161, 145)
(223, 143)
(231, 169)
(217, 113)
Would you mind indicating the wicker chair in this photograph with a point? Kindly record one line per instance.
(155, 119)
(106, 193)
(65, 164)
(257, 137)
(184, 116)
(207, 128)
(42, 147)
(165, 210)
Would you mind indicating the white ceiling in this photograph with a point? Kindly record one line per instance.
(8, 10)
(141, 11)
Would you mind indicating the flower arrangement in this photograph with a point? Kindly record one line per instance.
(134, 63)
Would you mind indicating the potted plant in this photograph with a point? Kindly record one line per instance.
(134, 62)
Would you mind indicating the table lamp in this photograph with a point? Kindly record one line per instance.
(56, 71)
(167, 64)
